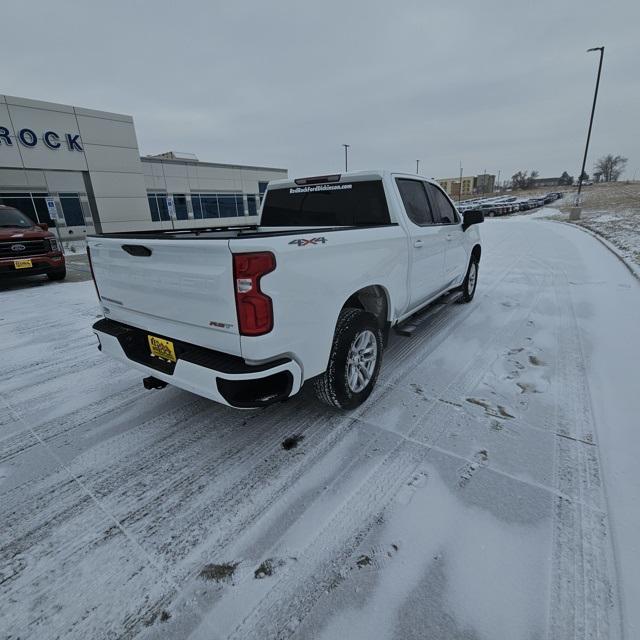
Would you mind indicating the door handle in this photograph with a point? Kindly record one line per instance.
(449, 238)
(417, 243)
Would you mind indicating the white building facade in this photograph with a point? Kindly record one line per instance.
(82, 168)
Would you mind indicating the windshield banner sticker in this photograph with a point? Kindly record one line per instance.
(320, 187)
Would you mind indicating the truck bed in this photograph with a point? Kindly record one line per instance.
(227, 233)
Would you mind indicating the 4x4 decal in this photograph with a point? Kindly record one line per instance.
(303, 242)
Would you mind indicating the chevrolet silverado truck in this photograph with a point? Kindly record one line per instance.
(27, 248)
(244, 316)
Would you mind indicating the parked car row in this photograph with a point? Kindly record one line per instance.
(504, 205)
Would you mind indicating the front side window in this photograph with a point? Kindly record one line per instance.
(444, 211)
(415, 201)
(349, 204)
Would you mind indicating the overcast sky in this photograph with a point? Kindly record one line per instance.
(497, 85)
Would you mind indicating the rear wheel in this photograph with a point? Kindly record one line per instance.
(354, 361)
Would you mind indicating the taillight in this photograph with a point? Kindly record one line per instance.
(93, 277)
(255, 311)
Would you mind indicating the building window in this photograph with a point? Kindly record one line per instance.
(20, 201)
(40, 203)
(227, 206)
(252, 204)
(209, 205)
(72, 209)
(240, 205)
(262, 187)
(197, 206)
(153, 206)
(180, 205)
(218, 205)
(158, 206)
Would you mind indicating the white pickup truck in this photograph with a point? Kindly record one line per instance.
(246, 315)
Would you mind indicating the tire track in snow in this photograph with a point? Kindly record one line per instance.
(280, 611)
(583, 585)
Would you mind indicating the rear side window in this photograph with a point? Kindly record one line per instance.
(443, 210)
(347, 204)
(415, 201)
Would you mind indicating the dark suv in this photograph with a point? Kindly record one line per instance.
(27, 248)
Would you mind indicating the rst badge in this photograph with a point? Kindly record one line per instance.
(304, 242)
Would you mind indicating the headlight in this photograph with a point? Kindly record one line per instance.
(53, 244)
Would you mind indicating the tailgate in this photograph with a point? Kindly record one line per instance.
(178, 288)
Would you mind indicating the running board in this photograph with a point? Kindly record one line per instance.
(408, 327)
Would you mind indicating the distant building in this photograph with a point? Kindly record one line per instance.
(82, 168)
(546, 182)
(485, 183)
(471, 185)
(452, 186)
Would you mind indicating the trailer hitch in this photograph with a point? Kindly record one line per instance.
(153, 383)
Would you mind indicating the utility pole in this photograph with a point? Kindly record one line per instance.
(498, 180)
(460, 188)
(417, 166)
(593, 110)
(484, 181)
(346, 156)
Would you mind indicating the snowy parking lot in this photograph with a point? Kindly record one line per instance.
(488, 488)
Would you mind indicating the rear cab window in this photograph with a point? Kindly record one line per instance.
(348, 204)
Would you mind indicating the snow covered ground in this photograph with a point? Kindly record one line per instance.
(612, 210)
(487, 489)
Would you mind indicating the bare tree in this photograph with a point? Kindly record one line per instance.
(524, 179)
(610, 167)
(565, 179)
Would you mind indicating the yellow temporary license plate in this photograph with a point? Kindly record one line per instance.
(162, 348)
(22, 264)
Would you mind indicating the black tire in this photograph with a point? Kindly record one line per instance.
(332, 387)
(470, 283)
(57, 275)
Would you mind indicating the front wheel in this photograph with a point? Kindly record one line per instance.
(354, 362)
(470, 283)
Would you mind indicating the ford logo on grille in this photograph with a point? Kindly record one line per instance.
(18, 247)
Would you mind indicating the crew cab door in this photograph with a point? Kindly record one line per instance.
(427, 243)
(446, 216)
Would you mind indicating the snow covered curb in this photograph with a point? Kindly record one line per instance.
(633, 268)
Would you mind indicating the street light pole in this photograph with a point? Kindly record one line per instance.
(460, 186)
(346, 156)
(417, 166)
(593, 110)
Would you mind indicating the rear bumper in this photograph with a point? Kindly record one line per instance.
(225, 378)
(41, 264)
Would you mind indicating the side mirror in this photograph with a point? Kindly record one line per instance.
(471, 217)
(43, 225)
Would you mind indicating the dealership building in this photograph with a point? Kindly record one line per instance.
(82, 168)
